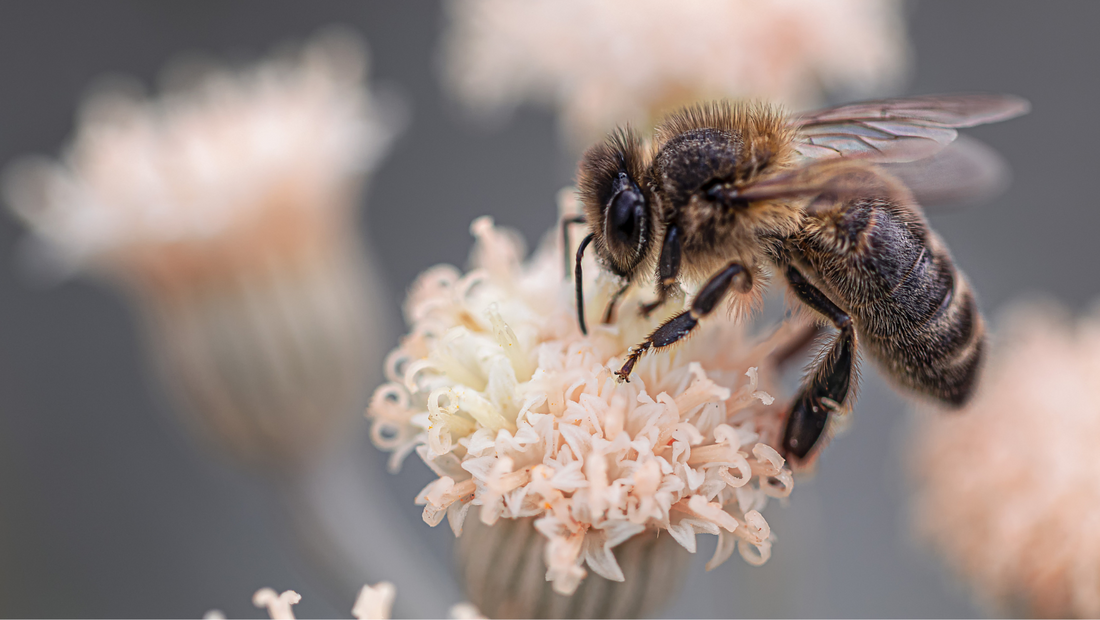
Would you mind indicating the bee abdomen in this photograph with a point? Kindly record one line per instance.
(948, 349)
(935, 343)
(914, 311)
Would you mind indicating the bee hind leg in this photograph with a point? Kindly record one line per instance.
(828, 387)
(678, 327)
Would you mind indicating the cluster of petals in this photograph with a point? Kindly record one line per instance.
(607, 62)
(520, 415)
(1008, 490)
(220, 153)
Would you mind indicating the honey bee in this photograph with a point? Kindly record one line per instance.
(727, 192)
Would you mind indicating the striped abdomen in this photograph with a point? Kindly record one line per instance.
(913, 310)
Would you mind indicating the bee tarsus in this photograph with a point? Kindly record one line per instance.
(679, 326)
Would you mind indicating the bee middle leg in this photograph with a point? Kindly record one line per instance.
(827, 389)
(678, 327)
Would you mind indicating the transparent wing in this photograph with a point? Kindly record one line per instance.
(964, 171)
(815, 177)
(898, 130)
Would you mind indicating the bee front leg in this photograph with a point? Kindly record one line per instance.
(827, 389)
(668, 269)
(678, 327)
(610, 310)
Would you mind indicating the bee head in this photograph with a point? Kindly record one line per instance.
(611, 182)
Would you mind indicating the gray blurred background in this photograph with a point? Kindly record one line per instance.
(106, 509)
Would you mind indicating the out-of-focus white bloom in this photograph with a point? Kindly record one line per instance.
(373, 603)
(278, 605)
(466, 611)
(233, 165)
(608, 62)
(521, 416)
(226, 208)
(1008, 490)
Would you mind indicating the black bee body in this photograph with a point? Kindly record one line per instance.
(728, 192)
(914, 311)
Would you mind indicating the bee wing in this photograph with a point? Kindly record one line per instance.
(965, 171)
(813, 178)
(898, 130)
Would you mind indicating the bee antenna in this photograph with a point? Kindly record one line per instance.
(578, 276)
(565, 223)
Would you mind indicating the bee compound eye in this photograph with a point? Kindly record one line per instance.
(625, 220)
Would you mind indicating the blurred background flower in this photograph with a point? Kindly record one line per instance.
(1008, 490)
(373, 603)
(223, 208)
(601, 64)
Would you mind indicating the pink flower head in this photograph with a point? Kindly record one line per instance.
(1008, 490)
(520, 415)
